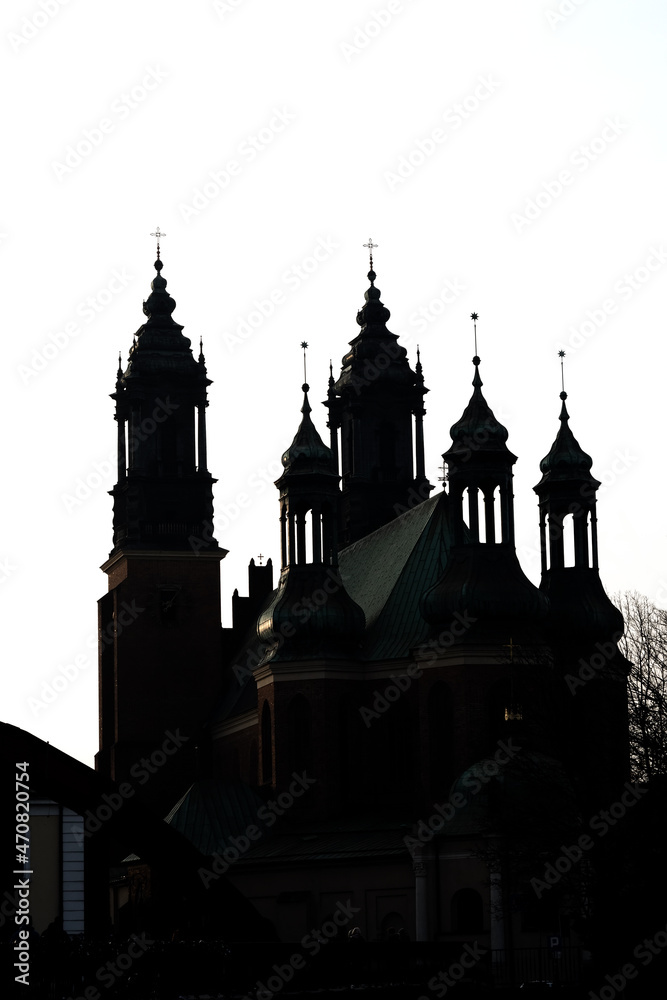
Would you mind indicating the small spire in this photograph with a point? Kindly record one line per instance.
(158, 235)
(371, 246)
(201, 359)
(563, 395)
(474, 317)
(304, 345)
(120, 365)
(418, 366)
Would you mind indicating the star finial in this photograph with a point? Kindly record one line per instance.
(158, 235)
(474, 317)
(371, 247)
(563, 395)
(304, 344)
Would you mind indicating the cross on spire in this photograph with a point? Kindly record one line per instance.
(371, 246)
(561, 355)
(158, 235)
(304, 345)
(474, 317)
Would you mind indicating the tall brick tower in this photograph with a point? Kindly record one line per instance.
(159, 623)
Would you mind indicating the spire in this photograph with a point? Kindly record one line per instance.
(477, 430)
(484, 576)
(377, 403)
(163, 497)
(568, 536)
(309, 498)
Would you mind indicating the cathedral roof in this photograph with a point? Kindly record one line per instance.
(412, 550)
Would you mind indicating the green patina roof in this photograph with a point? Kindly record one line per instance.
(411, 551)
(212, 811)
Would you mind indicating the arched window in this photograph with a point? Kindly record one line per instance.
(467, 912)
(299, 734)
(267, 749)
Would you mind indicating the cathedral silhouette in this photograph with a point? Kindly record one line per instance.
(403, 725)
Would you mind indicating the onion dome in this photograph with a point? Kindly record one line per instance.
(566, 460)
(482, 585)
(478, 429)
(375, 353)
(160, 346)
(307, 452)
(311, 616)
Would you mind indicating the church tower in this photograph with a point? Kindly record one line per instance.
(159, 623)
(584, 625)
(495, 675)
(374, 404)
(311, 629)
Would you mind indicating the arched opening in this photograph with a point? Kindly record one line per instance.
(267, 748)
(568, 540)
(467, 912)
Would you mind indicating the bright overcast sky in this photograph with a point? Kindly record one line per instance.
(507, 158)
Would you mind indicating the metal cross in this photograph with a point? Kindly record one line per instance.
(474, 317)
(304, 344)
(158, 235)
(561, 355)
(371, 246)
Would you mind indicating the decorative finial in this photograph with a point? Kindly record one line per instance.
(201, 359)
(158, 235)
(304, 344)
(474, 317)
(371, 247)
(260, 557)
(563, 395)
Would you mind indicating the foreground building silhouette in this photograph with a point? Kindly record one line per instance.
(406, 726)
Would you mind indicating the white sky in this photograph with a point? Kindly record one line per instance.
(351, 98)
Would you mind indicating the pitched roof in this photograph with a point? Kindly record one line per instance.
(388, 571)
